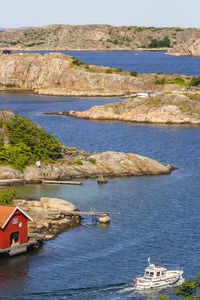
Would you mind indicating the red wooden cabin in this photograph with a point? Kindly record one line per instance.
(13, 226)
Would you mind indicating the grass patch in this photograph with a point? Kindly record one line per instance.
(9, 85)
(77, 162)
(92, 160)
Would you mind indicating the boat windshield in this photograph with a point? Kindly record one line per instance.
(151, 274)
(147, 273)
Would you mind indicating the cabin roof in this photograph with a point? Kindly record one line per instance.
(6, 213)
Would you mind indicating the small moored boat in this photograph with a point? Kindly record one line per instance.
(157, 277)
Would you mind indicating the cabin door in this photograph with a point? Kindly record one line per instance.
(14, 238)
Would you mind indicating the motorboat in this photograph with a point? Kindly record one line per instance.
(157, 277)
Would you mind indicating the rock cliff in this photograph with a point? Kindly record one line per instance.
(58, 74)
(167, 108)
(188, 48)
(92, 37)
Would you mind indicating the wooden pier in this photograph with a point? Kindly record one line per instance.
(104, 217)
(84, 213)
(61, 182)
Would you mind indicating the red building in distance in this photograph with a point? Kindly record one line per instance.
(13, 226)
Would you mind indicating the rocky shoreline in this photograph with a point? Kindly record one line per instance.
(162, 108)
(108, 164)
(63, 75)
(48, 216)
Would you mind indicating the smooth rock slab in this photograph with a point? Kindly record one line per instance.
(56, 204)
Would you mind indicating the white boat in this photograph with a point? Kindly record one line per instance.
(157, 277)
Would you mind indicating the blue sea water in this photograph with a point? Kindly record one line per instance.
(159, 214)
(142, 62)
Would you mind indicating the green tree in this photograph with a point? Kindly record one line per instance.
(189, 289)
(7, 196)
(195, 81)
(133, 73)
(28, 143)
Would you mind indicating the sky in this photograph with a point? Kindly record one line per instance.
(157, 13)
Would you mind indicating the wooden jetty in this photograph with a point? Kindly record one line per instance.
(61, 182)
(84, 213)
(104, 217)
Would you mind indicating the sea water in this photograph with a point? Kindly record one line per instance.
(159, 215)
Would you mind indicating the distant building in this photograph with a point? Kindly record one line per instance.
(13, 226)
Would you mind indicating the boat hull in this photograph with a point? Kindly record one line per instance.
(171, 279)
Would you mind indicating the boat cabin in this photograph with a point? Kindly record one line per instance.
(13, 226)
(153, 271)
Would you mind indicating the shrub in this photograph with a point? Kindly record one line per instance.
(195, 81)
(160, 43)
(119, 70)
(77, 62)
(77, 162)
(161, 81)
(159, 72)
(133, 73)
(92, 160)
(7, 196)
(138, 29)
(177, 80)
(87, 67)
(9, 85)
(28, 143)
(109, 71)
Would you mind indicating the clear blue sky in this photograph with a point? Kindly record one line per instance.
(158, 13)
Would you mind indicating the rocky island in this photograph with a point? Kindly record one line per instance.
(19, 152)
(95, 37)
(63, 75)
(164, 108)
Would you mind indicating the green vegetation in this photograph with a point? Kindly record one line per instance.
(160, 43)
(195, 81)
(179, 29)
(7, 196)
(77, 62)
(159, 72)
(109, 71)
(189, 289)
(115, 42)
(9, 85)
(160, 81)
(77, 162)
(34, 44)
(183, 109)
(176, 80)
(92, 160)
(120, 70)
(133, 73)
(139, 29)
(28, 143)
